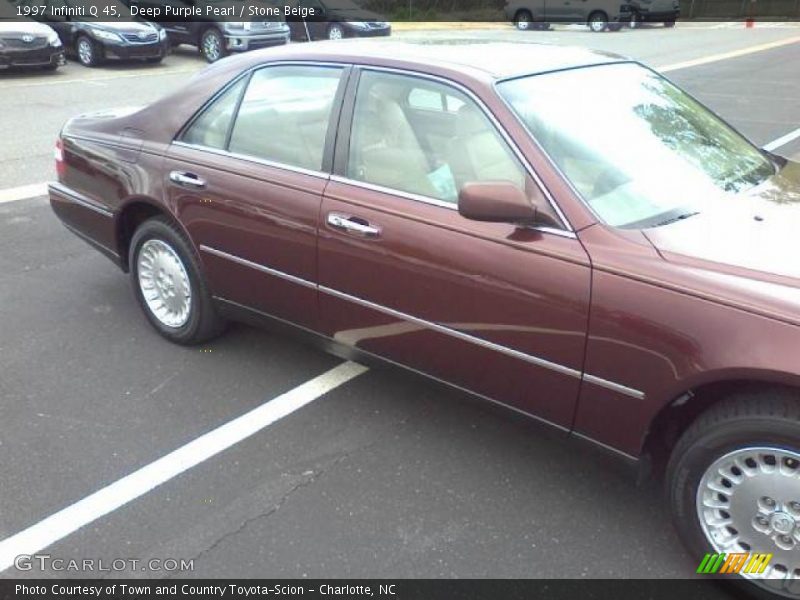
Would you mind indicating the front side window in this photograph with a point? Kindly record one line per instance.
(425, 138)
(283, 116)
(640, 151)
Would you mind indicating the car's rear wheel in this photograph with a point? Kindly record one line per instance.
(669, 23)
(733, 483)
(212, 45)
(335, 31)
(87, 51)
(523, 20)
(636, 20)
(169, 286)
(598, 21)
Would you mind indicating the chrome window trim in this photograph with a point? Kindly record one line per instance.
(529, 358)
(496, 124)
(62, 190)
(440, 203)
(385, 190)
(253, 159)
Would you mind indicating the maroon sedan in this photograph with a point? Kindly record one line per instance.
(560, 231)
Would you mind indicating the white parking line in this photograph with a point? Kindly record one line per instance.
(55, 527)
(101, 78)
(712, 58)
(783, 140)
(23, 192)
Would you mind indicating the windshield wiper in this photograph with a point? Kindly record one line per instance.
(679, 217)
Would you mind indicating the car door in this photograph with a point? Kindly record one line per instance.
(561, 11)
(247, 175)
(498, 309)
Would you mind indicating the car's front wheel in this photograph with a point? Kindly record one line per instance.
(734, 487)
(87, 51)
(169, 286)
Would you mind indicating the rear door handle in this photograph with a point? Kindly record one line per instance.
(185, 179)
(353, 225)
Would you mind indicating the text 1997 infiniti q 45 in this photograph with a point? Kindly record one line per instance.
(622, 268)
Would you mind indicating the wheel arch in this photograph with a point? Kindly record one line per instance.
(523, 11)
(598, 12)
(684, 407)
(133, 213)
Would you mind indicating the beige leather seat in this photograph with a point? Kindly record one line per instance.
(478, 153)
(384, 149)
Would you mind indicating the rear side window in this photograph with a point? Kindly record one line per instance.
(211, 128)
(284, 115)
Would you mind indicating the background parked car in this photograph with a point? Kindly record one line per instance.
(29, 44)
(93, 42)
(599, 15)
(337, 19)
(655, 11)
(214, 38)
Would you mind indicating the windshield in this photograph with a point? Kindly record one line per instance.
(640, 151)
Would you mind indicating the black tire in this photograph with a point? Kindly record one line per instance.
(88, 51)
(212, 45)
(336, 31)
(597, 21)
(766, 418)
(203, 322)
(669, 23)
(154, 60)
(523, 20)
(636, 20)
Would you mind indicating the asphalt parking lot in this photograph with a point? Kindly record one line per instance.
(385, 475)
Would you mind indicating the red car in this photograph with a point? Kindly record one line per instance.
(614, 260)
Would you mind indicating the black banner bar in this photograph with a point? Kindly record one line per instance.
(366, 11)
(319, 589)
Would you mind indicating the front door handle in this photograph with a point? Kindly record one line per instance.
(353, 225)
(185, 179)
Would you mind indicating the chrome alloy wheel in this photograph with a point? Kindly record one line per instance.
(749, 501)
(164, 283)
(212, 47)
(85, 51)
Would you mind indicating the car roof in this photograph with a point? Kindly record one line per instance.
(496, 60)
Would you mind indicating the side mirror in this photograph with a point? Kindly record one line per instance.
(501, 202)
